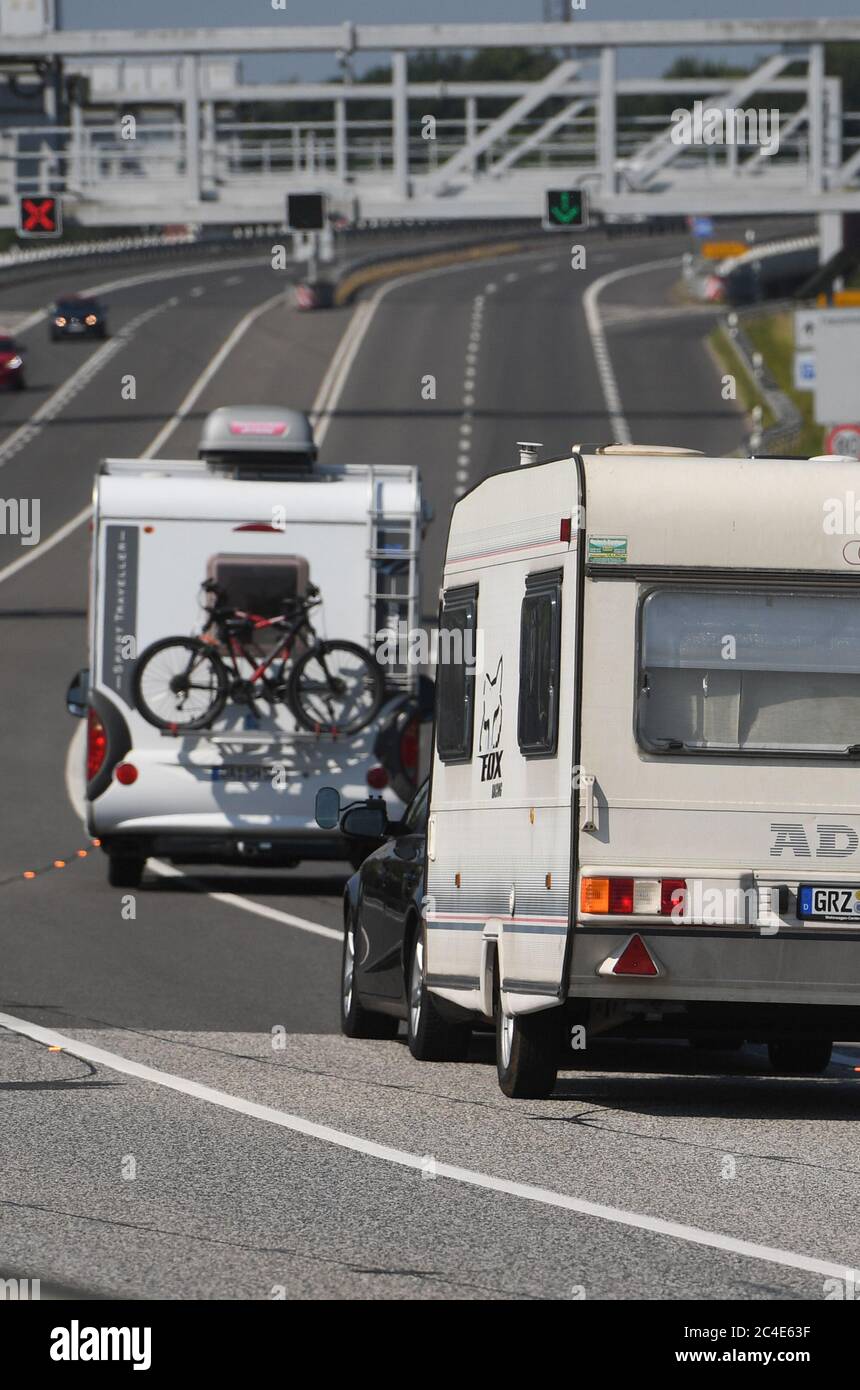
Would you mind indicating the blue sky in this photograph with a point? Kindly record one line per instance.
(133, 14)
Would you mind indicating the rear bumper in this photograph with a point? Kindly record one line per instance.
(215, 847)
(818, 967)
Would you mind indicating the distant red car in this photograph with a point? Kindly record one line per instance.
(11, 364)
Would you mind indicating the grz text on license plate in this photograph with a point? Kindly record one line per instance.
(828, 901)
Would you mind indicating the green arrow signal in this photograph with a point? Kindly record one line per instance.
(567, 210)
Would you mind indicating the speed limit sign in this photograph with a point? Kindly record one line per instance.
(843, 439)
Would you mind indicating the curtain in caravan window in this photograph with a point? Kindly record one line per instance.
(749, 671)
(456, 675)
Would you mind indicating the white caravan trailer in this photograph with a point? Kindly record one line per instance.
(645, 798)
(263, 523)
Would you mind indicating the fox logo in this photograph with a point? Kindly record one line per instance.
(491, 714)
(491, 727)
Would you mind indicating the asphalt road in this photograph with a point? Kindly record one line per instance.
(326, 1167)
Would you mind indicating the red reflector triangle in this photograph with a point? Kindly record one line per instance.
(635, 959)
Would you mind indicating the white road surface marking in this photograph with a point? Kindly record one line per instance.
(611, 394)
(542, 1196)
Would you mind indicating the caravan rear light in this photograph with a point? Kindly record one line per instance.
(594, 895)
(96, 744)
(125, 774)
(377, 778)
(626, 897)
(621, 896)
(672, 896)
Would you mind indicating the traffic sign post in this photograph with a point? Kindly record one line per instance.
(39, 216)
(564, 208)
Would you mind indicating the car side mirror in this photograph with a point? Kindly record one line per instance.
(327, 808)
(77, 695)
(365, 821)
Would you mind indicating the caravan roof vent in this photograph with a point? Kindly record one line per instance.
(258, 441)
(648, 450)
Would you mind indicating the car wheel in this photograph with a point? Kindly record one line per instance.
(528, 1048)
(804, 1057)
(431, 1036)
(355, 1020)
(125, 870)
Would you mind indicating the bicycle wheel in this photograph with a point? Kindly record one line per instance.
(335, 686)
(179, 683)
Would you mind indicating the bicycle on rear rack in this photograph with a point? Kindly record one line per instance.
(184, 683)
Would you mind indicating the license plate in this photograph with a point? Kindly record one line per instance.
(76, 327)
(826, 901)
(244, 772)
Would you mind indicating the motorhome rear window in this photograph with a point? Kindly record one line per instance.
(540, 658)
(456, 675)
(756, 672)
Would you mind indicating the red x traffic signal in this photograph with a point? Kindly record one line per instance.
(39, 216)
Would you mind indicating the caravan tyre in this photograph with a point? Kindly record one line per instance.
(527, 1052)
(355, 1020)
(431, 1036)
(805, 1057)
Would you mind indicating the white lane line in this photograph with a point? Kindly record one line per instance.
(163, 434)
(654, 1225)
(611, 394)
(249, 905)
(196, 292)
(73, 385)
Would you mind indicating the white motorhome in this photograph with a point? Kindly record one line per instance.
(645, 797)
(258, 515)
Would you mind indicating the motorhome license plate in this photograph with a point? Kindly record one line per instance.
(244, 772)
(827, 901)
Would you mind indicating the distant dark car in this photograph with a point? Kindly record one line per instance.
(11, 364)
(382, 966)
(74, 316)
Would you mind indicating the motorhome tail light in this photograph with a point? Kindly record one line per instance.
(126, 773)
(96, 744)
(377, 778)
(409, 750)
(626, 897)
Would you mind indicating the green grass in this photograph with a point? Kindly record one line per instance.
(773, 336)
(747, 388)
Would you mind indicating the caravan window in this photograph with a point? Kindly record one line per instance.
(456, 675)
(755, 672)
(540, 660)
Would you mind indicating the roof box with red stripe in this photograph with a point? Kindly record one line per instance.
(258, 439)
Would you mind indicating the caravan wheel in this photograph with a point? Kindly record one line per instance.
(527, 1052)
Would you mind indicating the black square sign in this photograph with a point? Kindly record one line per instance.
(305, 212)
(39, 215)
